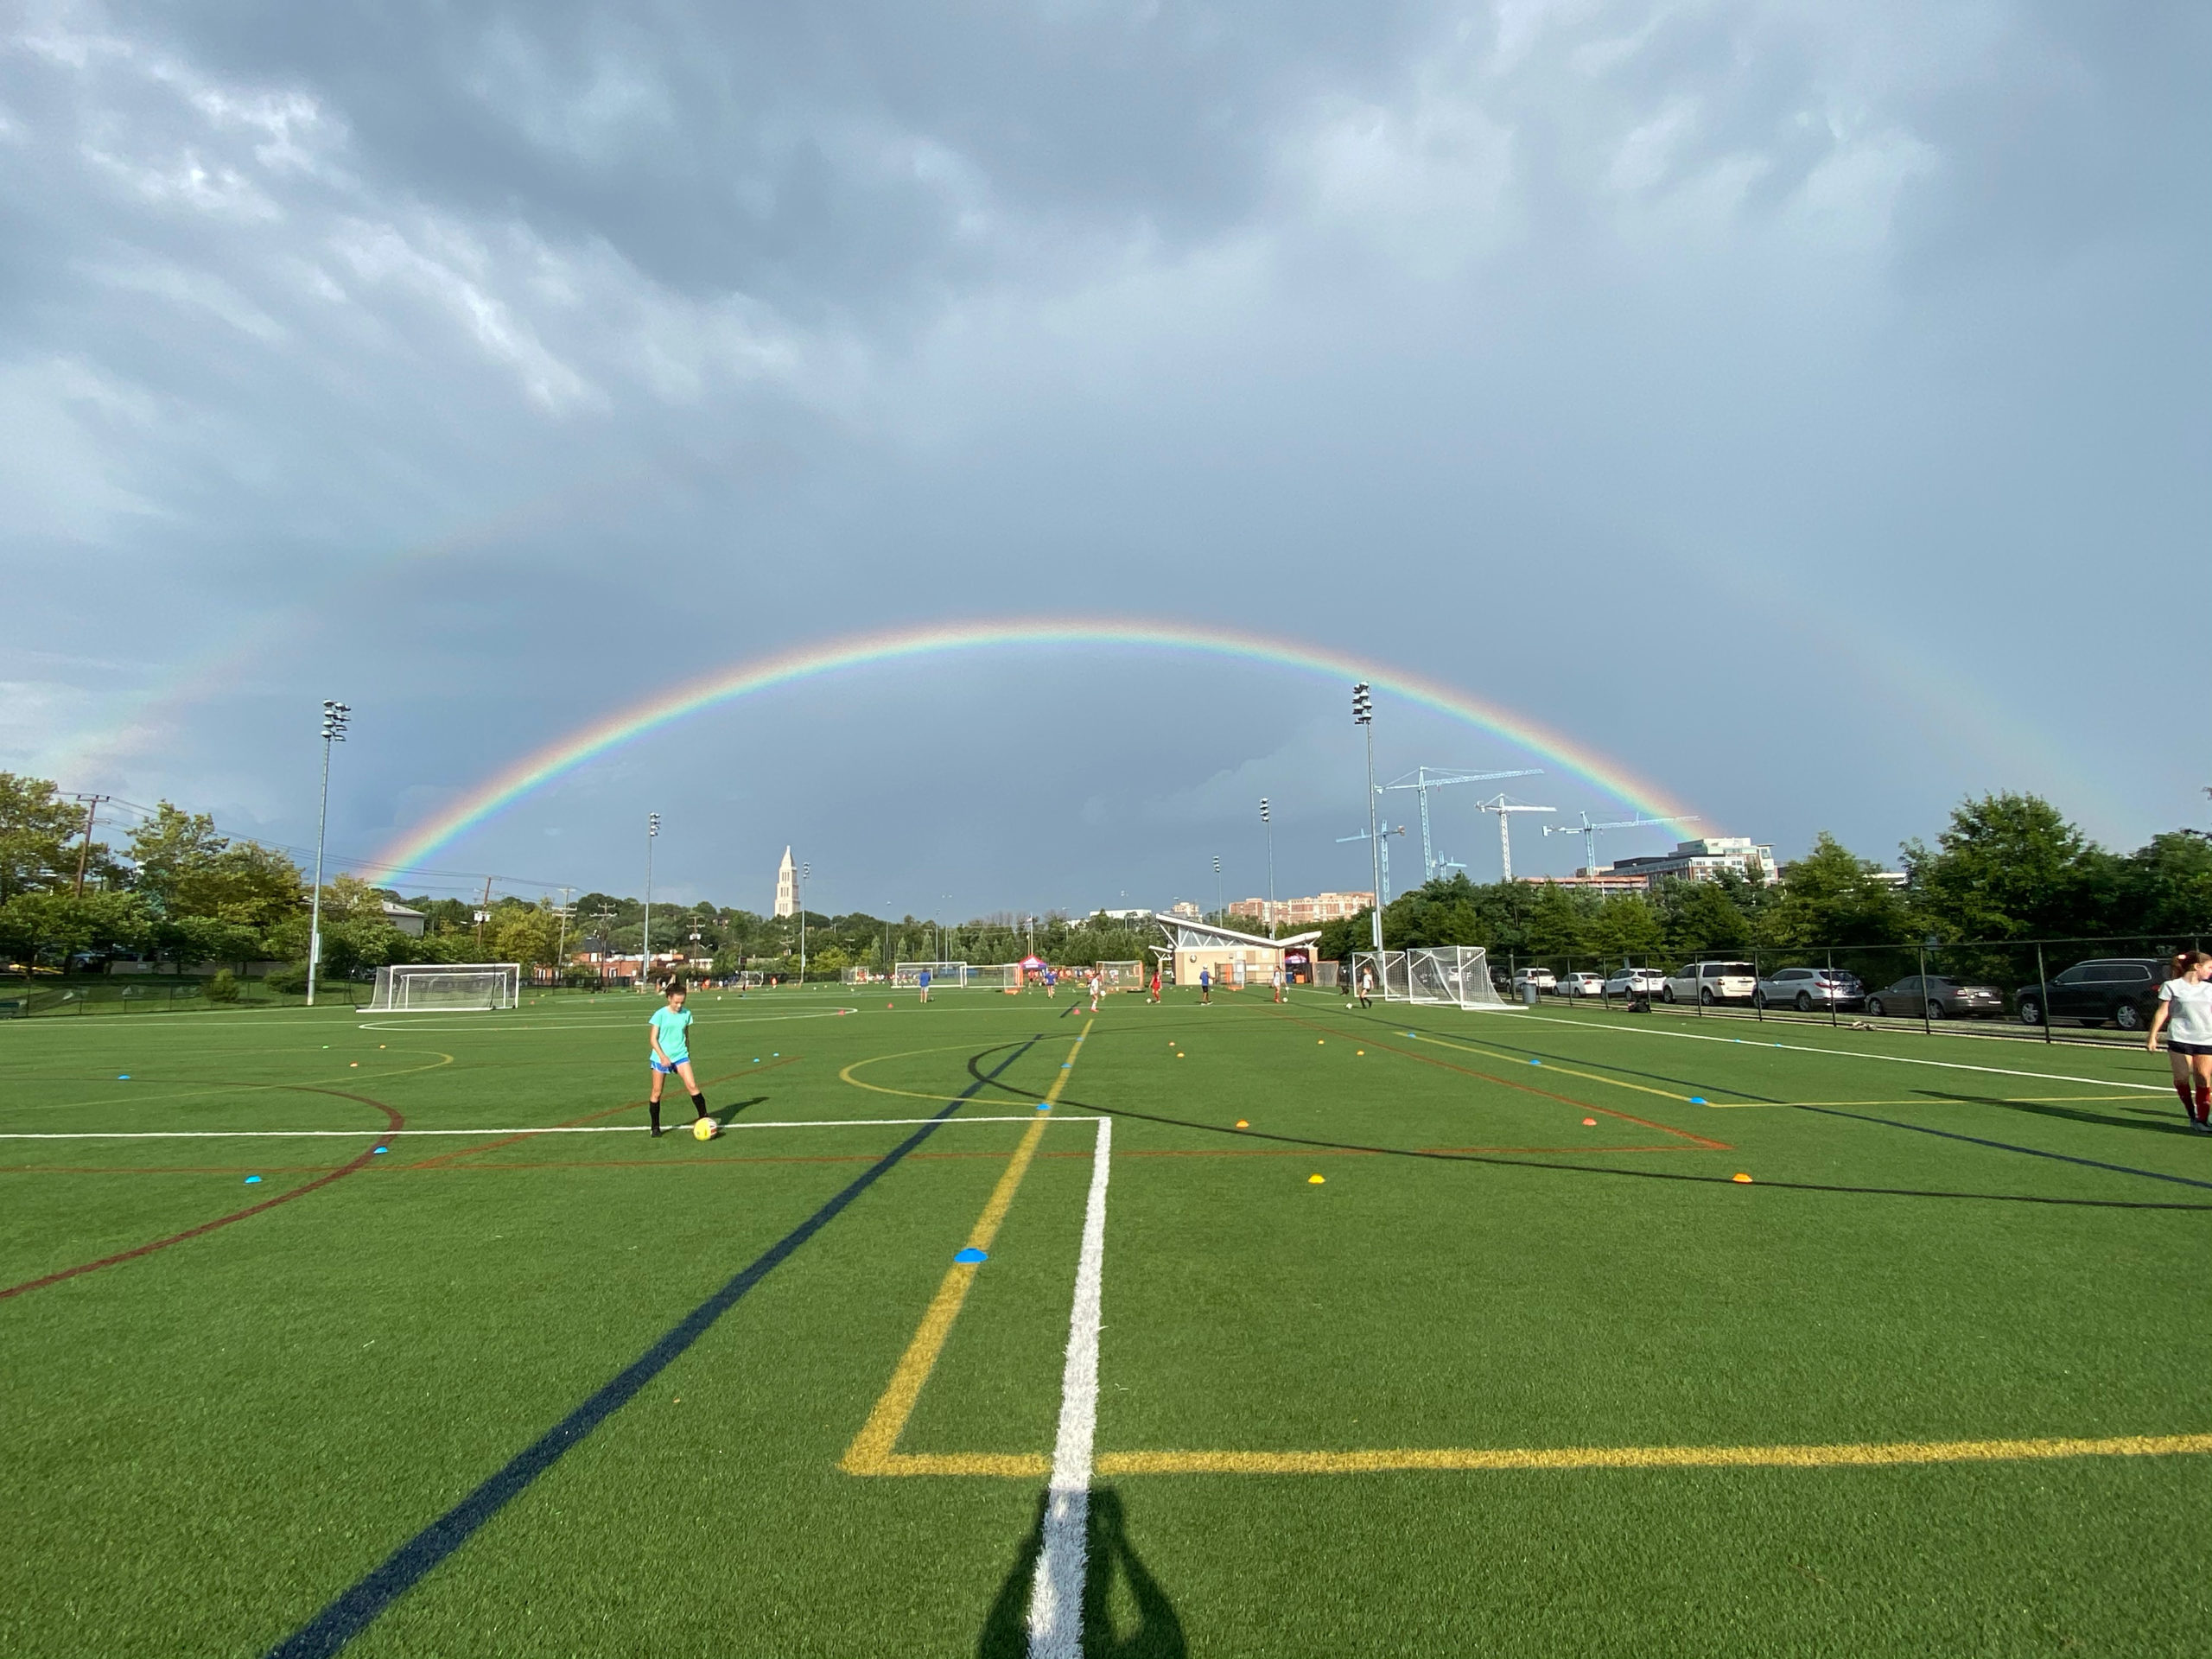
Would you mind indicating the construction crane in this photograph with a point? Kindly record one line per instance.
(1384, 897)
(1505, 806)
(1588, 831)
(1421, 779)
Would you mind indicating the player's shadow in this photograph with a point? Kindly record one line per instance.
(2163, 1121)
(722, 1115)
(1157, 1632)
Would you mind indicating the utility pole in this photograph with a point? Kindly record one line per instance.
(606, 915)
(334, 716)
(92, 806)
(1362, 715)
(561, 949)
(645, 958)
(483, 914)
(1268, 823)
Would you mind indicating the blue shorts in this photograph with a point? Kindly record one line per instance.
(2190, 1048)
(681, 1059)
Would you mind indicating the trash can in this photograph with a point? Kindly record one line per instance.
(1527, 992)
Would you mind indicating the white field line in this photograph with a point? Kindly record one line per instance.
(595, 1128)
(1055, 1594)
(1848, 1054)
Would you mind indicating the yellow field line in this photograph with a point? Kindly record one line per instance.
(1645, 1457)
(874, 1449)
(1512, 1060)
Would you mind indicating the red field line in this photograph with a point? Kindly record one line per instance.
(392, 1123)
(1703, 1142)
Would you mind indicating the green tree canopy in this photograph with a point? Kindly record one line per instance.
(2009, 867)
(36, 827)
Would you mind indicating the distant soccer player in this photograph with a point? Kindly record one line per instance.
(1366, 985)
(922, 980)
(1205, 987)
(2184, 1012)
(1154, 997)
(670, 1027)
(1276, 980)
(1097, 987)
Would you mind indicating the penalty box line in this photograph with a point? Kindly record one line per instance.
(589, 1129)
(874, 1449)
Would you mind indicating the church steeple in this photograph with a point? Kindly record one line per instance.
(787, 885)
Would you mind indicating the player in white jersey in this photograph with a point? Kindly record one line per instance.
(2184, 1015)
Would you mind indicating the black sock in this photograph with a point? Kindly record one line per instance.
(699, 1104)
(653, 1106)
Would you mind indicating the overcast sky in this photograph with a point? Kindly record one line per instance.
(1805, 405)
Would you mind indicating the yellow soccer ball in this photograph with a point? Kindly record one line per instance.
(705, 1129)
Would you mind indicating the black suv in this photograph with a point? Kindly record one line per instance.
(2123, 989)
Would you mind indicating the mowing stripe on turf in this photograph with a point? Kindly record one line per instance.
(1056, 1592)
(1876, 1454)
(355, 1609)
(874, 1449)
(2006, 1146)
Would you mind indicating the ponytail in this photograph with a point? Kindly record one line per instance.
(2185, 960)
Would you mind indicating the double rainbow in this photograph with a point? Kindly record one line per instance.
(423, 842)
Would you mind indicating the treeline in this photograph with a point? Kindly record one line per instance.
(180, 893)
(2006, 868)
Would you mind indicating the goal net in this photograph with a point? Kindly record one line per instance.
(1387, 968)
(944, 975)
(423, 986)
(1455, 973)
(995, 976)
(1121, 976)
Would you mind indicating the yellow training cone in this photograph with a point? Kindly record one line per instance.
(1316, 1180)
(1241, 1124)
(1740, 1176)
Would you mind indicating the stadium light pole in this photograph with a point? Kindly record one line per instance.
(646, 953)
(1363, 714)
(1269, 823)
(334, 716)
(1219, 908)
(804, 870)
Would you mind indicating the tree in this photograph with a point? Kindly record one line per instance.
(2010, 867)
(34, 925)
(187, 868)
(36, 826)
(2167, 885)
(1830, 897)
(524, 933)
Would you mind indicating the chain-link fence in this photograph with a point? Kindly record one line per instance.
(2050, 990)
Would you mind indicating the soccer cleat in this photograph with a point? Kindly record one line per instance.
(656, 1132)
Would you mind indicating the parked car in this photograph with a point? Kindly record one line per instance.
(1943, 999)
(1712, 982)
(1543, 978)
(2123, 989)
(1807, 988)
(1582, 985)
(1636, 981)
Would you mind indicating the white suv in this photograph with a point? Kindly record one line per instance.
(1543, 978)
(1636, 981)
(1712, 982)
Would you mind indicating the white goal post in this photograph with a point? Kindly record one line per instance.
(944, 975)
(1455, 976)
(446, 987)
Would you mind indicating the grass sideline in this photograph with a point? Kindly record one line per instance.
(1528, 1372)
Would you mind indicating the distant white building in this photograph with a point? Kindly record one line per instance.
(1703, 861)
(787, 885)
(408, 922)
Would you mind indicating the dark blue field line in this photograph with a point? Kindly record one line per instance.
(357, 1608)
(2006, 1146)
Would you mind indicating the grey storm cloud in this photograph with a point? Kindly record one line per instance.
(1786, 398)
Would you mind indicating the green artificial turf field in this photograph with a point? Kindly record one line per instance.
(1528, 1371)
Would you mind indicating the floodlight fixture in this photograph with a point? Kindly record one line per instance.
(336, 715)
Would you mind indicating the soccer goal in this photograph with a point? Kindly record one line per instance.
(995, 976)
(944, 975)
(1121, 976)
(425, 986)
(1456, 975)
(1389, 970)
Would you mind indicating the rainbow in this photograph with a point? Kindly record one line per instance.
(424, 841)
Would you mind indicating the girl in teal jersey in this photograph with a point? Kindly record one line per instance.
(671, 1037)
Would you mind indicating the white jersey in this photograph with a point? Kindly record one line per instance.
(2190, 1016)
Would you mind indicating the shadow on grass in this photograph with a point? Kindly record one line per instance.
(722, 1115)
(2166, 1123)
(1157, 1632)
